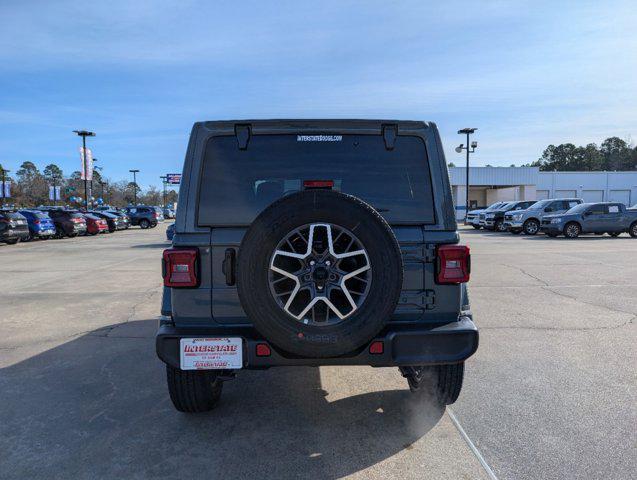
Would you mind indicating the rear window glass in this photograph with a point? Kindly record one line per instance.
(237, 185)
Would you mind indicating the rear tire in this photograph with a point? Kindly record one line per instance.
(499, 226)
(632, 230)
(143, 223)
(193, 391)
(531, 227)
(444, 382)
(13, 241)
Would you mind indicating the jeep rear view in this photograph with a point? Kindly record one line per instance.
(314, 242)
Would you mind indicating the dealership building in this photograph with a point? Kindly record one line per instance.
(492, 184)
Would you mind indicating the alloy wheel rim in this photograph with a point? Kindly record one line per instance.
(320, 274)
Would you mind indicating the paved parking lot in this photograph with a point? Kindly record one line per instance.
(550, 393)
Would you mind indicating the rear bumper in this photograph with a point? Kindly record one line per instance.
(433, 344)
(12, 234)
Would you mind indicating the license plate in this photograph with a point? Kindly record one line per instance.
(211, 353)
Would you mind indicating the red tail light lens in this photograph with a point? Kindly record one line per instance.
(155, 215)
(36, 221)
(263, 350)
(376, 348)
(454, 264)
(179, 267)
(318, 183)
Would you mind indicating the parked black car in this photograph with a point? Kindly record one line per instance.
(494, 219)
(13, 227)
(121, 214)
(114, 221)
(68, 222)
(145, 217)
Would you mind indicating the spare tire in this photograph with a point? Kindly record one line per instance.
(319, 273)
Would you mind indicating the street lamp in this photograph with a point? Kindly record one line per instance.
(134, 172)
(4, 178)
(94, 168)
(164, 180)
(470, 148)
(84, 134)
(102, 185)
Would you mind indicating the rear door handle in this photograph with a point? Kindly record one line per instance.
(229, 265)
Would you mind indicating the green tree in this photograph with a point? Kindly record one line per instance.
(613, 154)
(451, 164)
(52, 171)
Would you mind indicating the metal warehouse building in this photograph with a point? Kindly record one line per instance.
(491, 184)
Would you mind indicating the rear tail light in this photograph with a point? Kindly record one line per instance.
(263, 350)
(454, 264)
(36, 221)
(318, 183)
(155, 215)
(179, 267)
(376, 348)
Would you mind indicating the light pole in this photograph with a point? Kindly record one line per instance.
(134, 172)
(164, 179)
(102, 186)
(94, 168)
(459, 149)
(84, 134)
(4, 179)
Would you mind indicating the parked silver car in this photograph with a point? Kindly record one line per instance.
(529, 220)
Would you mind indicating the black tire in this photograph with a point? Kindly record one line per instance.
(531, 226)
(477, 227)
(572, 230)
(499, 226)
(614, 234)
(632, 230)
(193, 391)
(443, 382)
(305, 208)
(143, 223)
(13, 241)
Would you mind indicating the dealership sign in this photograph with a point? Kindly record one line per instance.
(173, 178)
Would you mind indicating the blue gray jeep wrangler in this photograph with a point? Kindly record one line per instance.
(314, 242)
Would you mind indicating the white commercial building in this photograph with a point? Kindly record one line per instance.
(491, 184)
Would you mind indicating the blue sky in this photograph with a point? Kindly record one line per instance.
(139, 73)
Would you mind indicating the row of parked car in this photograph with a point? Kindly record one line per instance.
(45, 222)
(570, 217)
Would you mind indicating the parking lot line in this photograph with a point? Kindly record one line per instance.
(471, 445)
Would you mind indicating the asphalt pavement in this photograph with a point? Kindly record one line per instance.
(550, 393)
